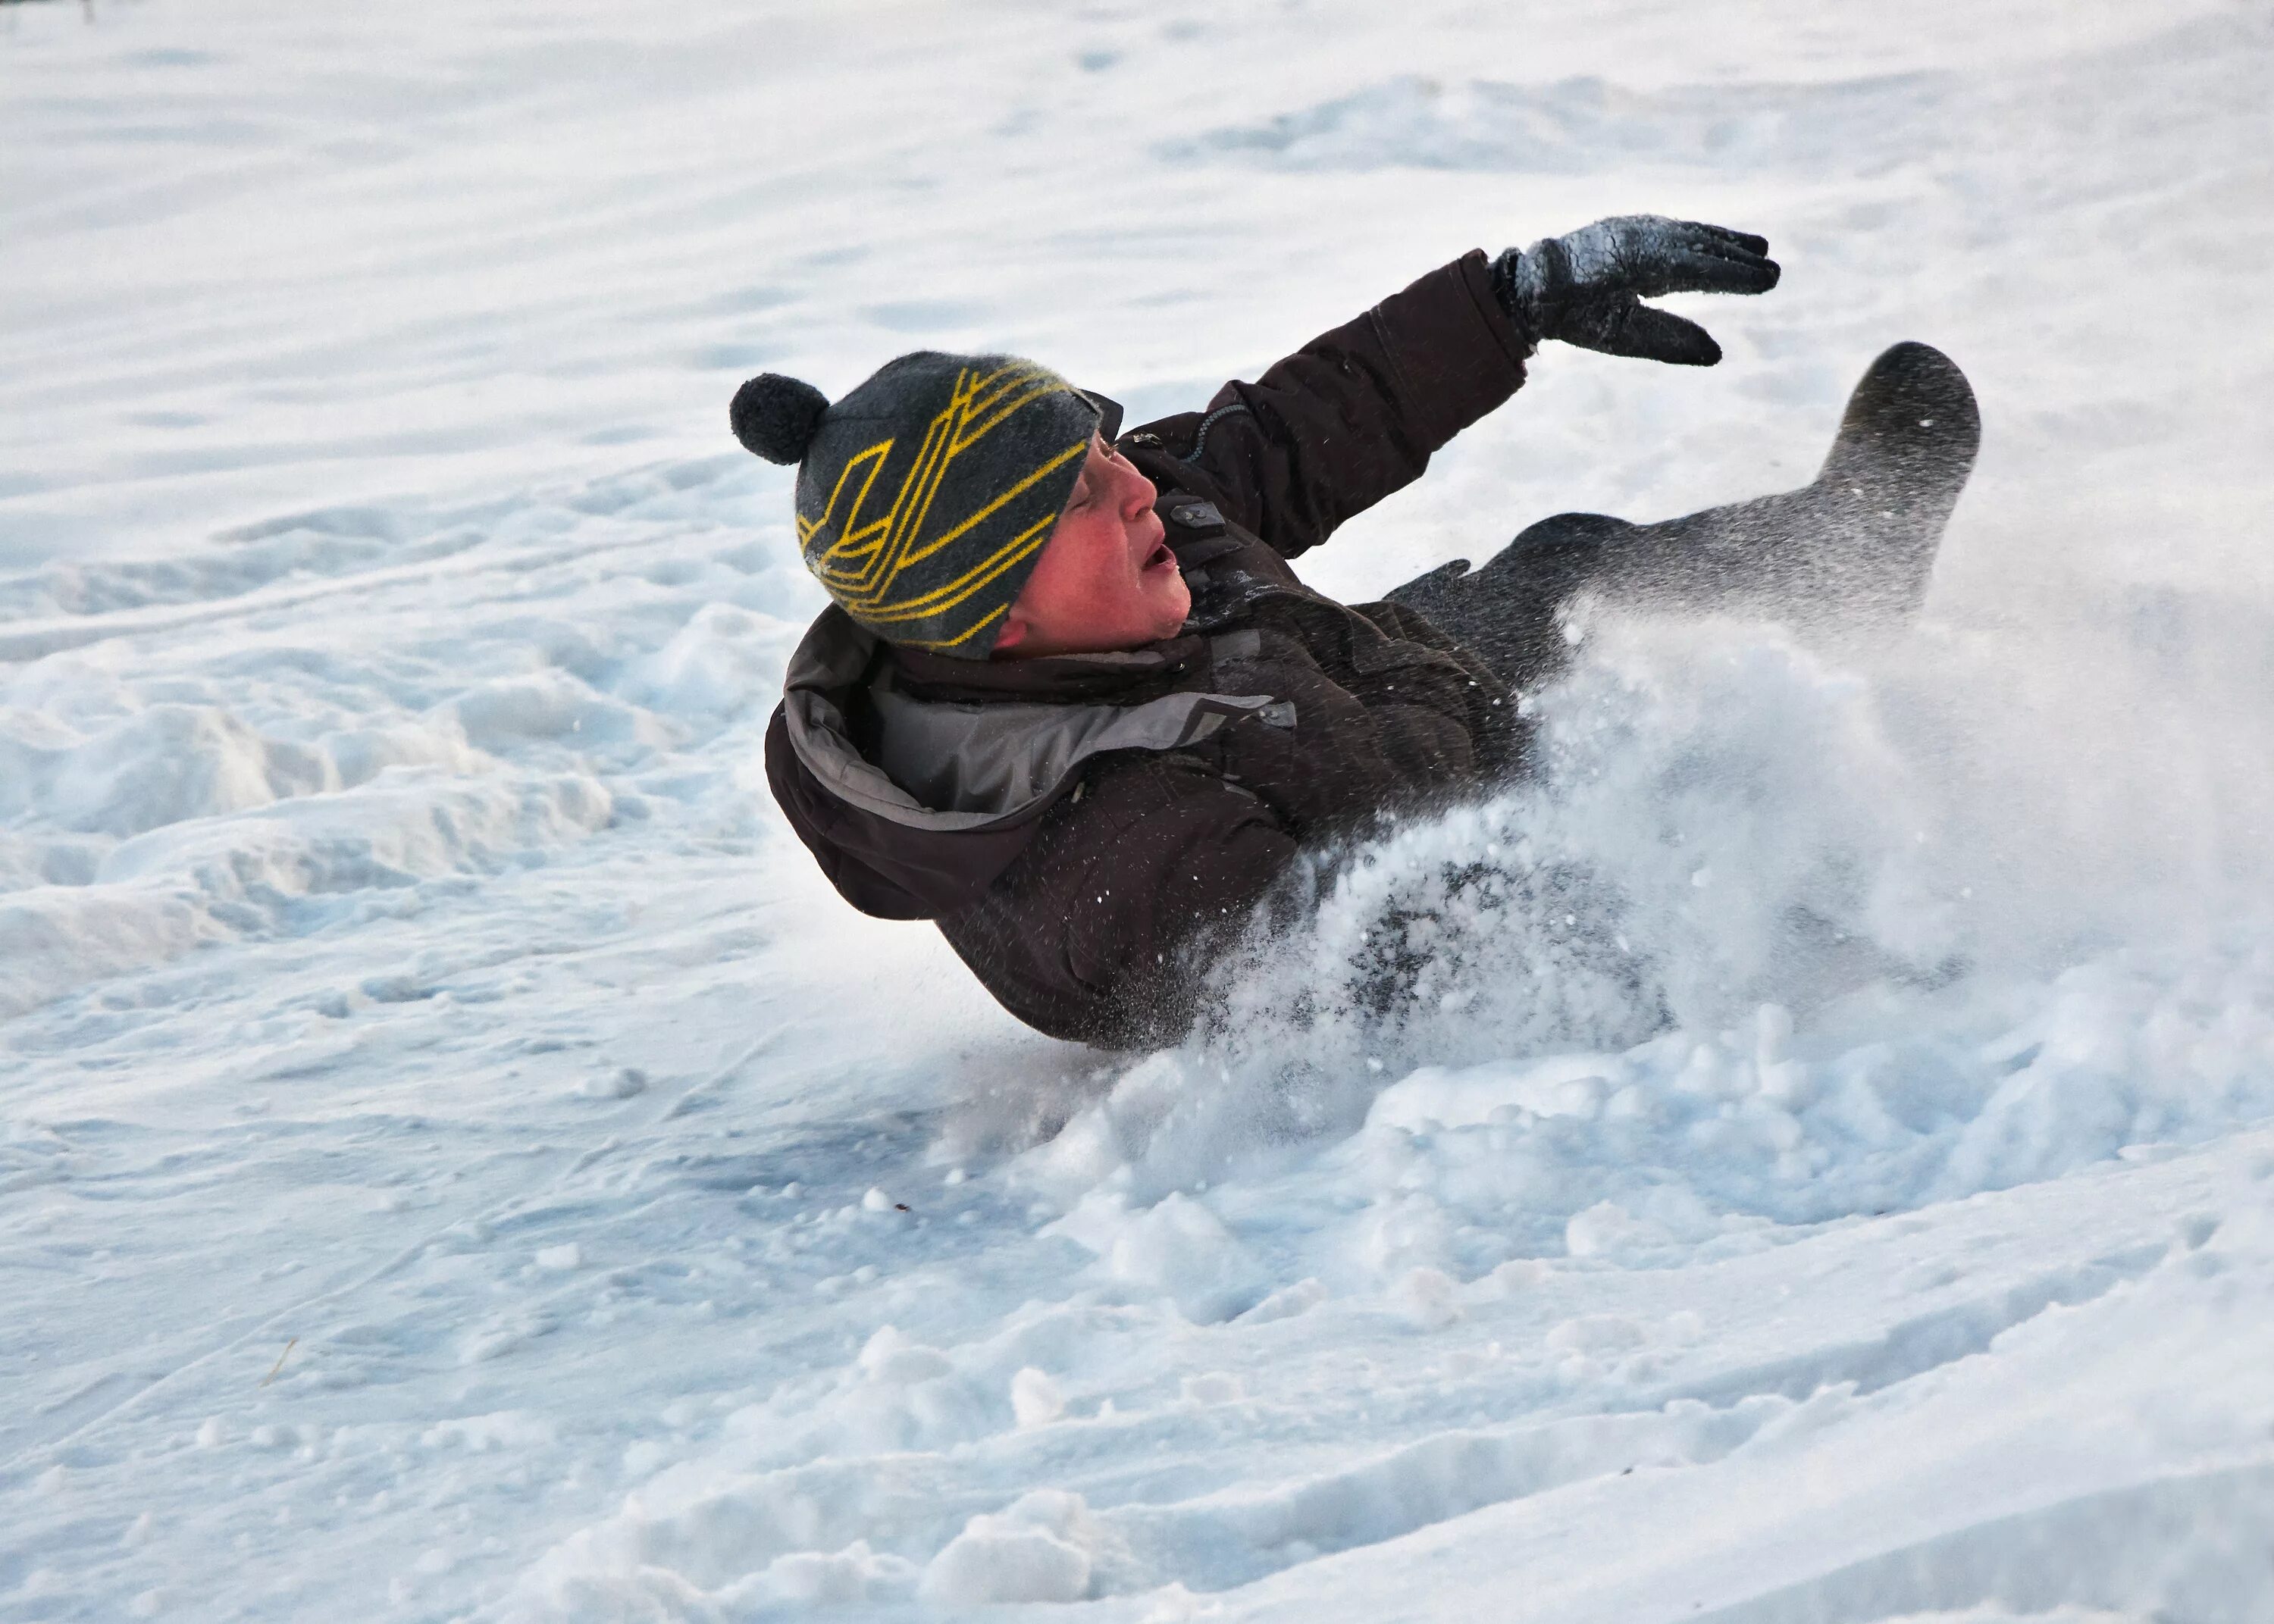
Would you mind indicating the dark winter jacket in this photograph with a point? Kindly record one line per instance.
(1088, 831)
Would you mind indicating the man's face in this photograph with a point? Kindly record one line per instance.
(1106, 579)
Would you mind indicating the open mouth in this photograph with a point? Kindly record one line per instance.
(1159, 558)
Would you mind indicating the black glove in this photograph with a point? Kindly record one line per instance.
(1588, 289)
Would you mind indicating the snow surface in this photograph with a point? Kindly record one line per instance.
(458, 1158)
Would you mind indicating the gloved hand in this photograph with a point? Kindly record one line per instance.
(1588, 289)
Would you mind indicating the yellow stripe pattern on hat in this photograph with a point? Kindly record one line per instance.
(861, 567)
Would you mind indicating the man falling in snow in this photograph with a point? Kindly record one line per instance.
(1071, 704)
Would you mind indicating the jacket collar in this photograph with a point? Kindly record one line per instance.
(1048, 679)
(997, 747)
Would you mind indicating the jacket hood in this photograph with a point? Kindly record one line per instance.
(914, 804)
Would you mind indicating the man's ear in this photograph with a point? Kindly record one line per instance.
(1014, 632)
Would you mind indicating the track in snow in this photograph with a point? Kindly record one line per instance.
(452, 1144)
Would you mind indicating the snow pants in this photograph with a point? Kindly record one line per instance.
(1507, 611)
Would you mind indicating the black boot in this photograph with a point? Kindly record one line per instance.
(1852, 548)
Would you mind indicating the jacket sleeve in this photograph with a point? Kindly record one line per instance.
(1354, 414)
(1104, 931)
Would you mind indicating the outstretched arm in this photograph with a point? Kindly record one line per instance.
(1356, 413)
(1352, 416)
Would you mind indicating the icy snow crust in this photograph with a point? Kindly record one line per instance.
(457, 1159)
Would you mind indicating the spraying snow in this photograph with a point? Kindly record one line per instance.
(1807, 1155)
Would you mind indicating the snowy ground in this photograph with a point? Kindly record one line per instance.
(457, 1159)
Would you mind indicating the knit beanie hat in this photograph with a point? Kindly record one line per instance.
(925, 496)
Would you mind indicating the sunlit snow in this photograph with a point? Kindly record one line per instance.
(458, 1159)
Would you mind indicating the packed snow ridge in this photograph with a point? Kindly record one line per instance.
(458, 1159)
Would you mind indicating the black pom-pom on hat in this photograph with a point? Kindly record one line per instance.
(776, 418)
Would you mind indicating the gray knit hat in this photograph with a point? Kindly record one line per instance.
(925, 496)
